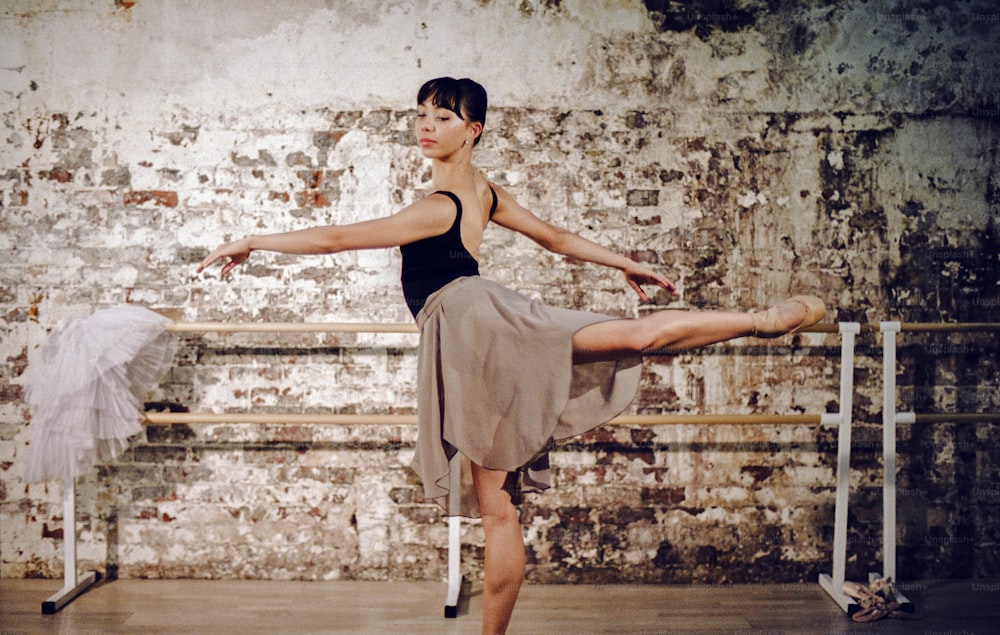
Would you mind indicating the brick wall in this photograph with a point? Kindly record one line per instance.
(748, 154)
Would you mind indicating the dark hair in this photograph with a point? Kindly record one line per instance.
(464, 97)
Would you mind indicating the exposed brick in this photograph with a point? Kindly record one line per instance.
(663, 495)
(159, 198)
(643, 198)
(169, 434)
(59, 175)
(55, 534)
(425, 514)
(627, 515)
(11, 393)
(117, 177)
(312, 179)
(741, 200)
(159, 454)
(311, 198)
(758, 472)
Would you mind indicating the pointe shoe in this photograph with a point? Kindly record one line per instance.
(769, 324)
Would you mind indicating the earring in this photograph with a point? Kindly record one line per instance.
(466, 142)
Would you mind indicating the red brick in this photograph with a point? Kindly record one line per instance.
(161, 198)
(56, 174)
(311, 198)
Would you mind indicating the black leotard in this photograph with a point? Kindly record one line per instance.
(431, 263)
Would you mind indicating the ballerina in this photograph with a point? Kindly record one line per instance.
(502, 376)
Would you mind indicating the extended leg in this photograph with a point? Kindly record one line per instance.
(504, 560)
(684, 330)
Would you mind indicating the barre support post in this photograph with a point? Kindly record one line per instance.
(889, 420)
(454, 536)
(834, 584)
(72, 586)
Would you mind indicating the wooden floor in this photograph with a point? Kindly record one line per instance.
(415, 608)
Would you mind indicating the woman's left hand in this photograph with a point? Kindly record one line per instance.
(637, 275)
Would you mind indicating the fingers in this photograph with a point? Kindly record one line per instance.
(216, 254)
(664, 283)
(636, 278)
(635, 287)
(232, 264)
(220, 254)
(206, 262)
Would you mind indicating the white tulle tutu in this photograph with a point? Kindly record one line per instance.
(84, 388)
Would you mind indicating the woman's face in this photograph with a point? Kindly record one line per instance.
(441, 132)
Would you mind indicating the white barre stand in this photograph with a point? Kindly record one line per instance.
(834, 584)
(72, 585)
(890, 419)
(454, 537)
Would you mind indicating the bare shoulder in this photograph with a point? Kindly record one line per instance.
(505, 201)
(514, 216)
(429, 216)
(502, 194)
(433, 209)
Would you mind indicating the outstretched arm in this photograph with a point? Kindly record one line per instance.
(511, 215)
(427, 217)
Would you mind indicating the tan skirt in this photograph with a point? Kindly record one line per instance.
(497, 384)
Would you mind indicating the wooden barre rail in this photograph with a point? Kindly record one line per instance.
(409, 327)
(344, 327)
(389, 419)
(293, 327)
(169, 418)
(947, 327)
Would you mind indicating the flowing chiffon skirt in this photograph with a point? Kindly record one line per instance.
(497, 384)
(84, 388)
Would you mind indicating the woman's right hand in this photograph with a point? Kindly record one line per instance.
(237, 253)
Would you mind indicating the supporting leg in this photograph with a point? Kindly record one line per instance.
(504, 560)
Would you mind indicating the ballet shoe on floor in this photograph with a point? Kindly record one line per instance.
(770, 324)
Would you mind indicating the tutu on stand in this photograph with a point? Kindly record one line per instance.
(84, 388)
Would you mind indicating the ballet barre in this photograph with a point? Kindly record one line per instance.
(453, 593)
(890, 419)
(292, 327)
(74, 586)
(843, 419)
(171, 418)
(374, 327)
